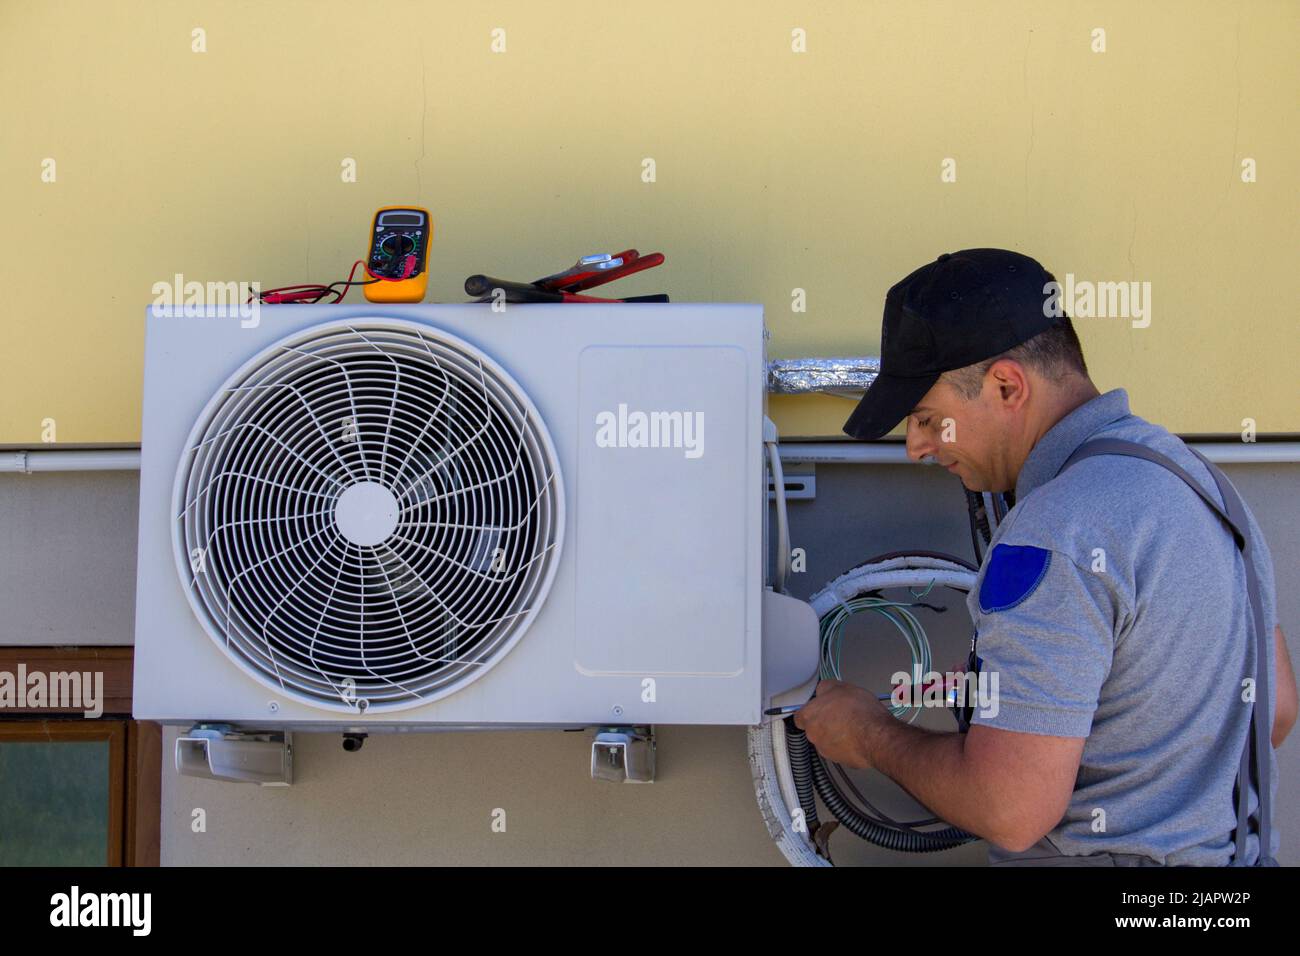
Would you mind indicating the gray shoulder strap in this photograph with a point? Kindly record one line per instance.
(1257, 754)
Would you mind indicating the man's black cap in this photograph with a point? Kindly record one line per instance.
(962, 308)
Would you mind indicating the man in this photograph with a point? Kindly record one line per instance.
(1112, 603)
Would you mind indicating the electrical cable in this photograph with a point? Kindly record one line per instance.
(310, 293)
(832, 638)
(782, 571)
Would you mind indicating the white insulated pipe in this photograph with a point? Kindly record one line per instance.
(894, 453)
(72, 459)
(830, 452)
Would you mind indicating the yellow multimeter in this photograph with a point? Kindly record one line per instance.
(399, 255)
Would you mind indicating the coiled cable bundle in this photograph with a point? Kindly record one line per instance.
(832, 637)
(800, 771)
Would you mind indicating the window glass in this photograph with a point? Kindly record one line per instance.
(54, 803)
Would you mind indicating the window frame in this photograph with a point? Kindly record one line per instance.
(135, 747)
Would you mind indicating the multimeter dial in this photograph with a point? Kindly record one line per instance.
(390, 251)
(396, 244)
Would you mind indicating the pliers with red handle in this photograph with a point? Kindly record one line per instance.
(586, 273)
(591, 271)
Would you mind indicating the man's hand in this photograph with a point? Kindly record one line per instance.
(842, 722)
(1008, 787)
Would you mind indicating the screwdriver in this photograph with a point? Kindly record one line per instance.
(788, 709)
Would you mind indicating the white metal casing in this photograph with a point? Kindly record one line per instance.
(653, 615)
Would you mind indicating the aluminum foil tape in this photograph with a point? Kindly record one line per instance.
(835, 375)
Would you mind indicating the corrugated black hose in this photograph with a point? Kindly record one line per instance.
(809, 776)
(801, 761)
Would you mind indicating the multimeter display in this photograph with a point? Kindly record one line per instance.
(398, 236)
(398, 256)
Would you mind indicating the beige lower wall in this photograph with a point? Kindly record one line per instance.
(417, 799)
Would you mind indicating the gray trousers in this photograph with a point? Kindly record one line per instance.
(1045, 853)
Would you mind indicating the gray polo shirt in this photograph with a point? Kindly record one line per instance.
(1112, 605)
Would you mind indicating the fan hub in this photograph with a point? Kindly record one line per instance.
(366, 513)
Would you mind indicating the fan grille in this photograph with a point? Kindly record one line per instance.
(368, 514)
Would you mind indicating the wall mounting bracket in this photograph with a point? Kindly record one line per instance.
(623, 755)
(218, 752)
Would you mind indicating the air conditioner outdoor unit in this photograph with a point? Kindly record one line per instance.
(411, 517)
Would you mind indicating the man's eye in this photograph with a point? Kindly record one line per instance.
(922, 422)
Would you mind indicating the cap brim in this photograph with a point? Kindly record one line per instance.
(887, 402)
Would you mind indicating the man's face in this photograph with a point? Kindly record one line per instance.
(969, 437)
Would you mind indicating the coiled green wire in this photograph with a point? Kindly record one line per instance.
(832, 638)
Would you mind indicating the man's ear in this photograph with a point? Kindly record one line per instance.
(1012, 383)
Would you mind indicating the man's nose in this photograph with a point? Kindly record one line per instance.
(917, 444)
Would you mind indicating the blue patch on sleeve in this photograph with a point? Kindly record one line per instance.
(1014, 573)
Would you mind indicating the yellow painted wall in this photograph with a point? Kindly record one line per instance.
(775, 170)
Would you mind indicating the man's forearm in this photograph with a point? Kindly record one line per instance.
(1006, 786)
(933, 768)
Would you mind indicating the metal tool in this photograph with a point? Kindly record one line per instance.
(639, 264)
(588, 272)
(584, 268)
